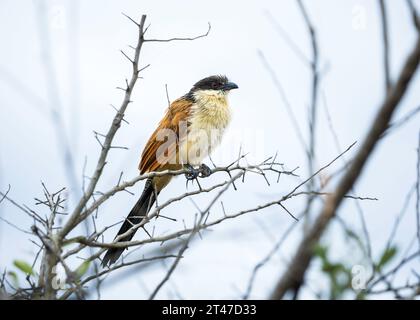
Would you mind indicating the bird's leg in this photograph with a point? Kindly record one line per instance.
(156, 201)
(155, 193)
(204, 170)
(192, 173)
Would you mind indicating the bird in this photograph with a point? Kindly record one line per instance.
(192, 127)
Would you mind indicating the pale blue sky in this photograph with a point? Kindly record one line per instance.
(86, 37)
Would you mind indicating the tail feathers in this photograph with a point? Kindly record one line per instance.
(136, 215)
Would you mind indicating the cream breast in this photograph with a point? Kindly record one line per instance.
(210, 116)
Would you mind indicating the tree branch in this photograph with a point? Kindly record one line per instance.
(385, 40)
(116, 123)
(299, 264)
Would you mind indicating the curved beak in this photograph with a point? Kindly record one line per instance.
(229, 86)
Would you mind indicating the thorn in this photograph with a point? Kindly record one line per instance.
(131, 19)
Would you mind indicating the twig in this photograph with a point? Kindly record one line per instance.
(312, 120)
(293, 277)
(123, 244)
(400, 216)
(283, 97)
(353, 189)
(4, 194)
(67, 294)
(192, 234)
(74, 219)
(400, 122)
(418, 192)
(183, 38)
(288, 39)
(414, 14)
(385, 40)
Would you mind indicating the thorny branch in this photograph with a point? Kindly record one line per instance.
(57, 247)
(314, 102)
(53, 240)
(74, 218)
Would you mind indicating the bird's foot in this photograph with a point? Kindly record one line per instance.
(192, 173)
(205, 171)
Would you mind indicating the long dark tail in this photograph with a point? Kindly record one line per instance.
(136, 215)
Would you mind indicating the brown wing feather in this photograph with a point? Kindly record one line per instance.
(178, 111)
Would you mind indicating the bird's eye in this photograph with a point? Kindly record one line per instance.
(214, 85)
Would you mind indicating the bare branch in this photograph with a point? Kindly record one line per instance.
(418, 192)
(283, 97)
(414, 14)
(182, 38)
(116, 123)
(206, 225)
(400, 216)
(68, 293)
(293, 277)
(312, 120)
(192, 234)
(393, 270)
(401, 122)
(347, 196)
(268, 257)
(288, 39)
(385, 40)
(4, 195)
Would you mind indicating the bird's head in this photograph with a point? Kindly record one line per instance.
(213, 86)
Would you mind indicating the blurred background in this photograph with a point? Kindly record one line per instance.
(64, 55)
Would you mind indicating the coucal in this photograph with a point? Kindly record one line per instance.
(190, 130)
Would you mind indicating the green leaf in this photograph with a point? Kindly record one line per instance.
(386, 257)
(23, 266)
(333, 268)
(321, 251)
(83, 268)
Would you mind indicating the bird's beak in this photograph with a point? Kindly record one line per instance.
(229, 86)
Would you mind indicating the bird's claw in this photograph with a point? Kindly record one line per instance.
(192, 173)
(204, 170)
